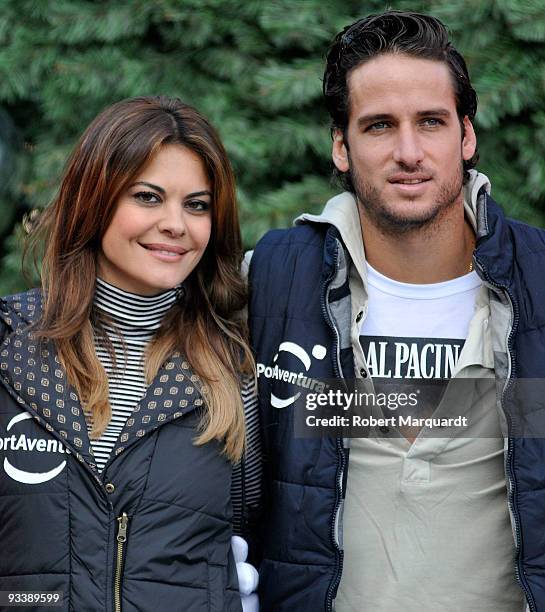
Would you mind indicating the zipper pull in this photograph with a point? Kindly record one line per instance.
(123, 521)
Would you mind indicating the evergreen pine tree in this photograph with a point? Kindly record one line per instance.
(254, 69)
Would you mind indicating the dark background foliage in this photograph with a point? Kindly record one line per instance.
(254, 68)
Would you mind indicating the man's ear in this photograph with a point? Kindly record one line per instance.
(469, 141)
(339, 152)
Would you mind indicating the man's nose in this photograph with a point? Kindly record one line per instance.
(408, 148)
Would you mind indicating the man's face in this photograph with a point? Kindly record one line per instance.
(405, 145)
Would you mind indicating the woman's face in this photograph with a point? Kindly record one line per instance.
(161, 225)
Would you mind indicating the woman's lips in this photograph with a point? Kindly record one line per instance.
(165, 252)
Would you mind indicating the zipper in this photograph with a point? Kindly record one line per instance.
(509, 460)
(327, 315)
(123, 522)
(333, 585)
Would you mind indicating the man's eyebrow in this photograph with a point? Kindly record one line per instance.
(367, 119)
(435, 112)
(150, 185)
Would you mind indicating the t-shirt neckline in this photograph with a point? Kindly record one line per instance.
(428, 291)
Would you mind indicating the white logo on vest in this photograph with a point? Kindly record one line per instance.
(295, 378)
(26, 444)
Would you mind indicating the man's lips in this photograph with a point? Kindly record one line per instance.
(409, 179)
(411, 185)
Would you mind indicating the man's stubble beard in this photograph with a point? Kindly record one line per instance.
(388, 221)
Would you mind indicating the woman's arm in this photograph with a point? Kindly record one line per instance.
(247, 475)
(246, 498)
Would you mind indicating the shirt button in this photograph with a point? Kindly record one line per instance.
(110, 488)
(359, 316)
(363, 373)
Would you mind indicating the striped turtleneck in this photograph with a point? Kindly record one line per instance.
(137, 318)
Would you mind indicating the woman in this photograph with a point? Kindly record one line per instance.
(121, 415)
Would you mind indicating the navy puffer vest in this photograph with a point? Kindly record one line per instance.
(152, 531)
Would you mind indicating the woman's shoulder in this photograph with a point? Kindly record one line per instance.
(19, 310)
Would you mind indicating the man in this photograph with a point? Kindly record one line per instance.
(412, 273)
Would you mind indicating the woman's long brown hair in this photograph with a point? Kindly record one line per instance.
(205, 326)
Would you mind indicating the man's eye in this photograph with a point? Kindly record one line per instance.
(377, 127)
(198, 205)
(147, 197)
(432, 122)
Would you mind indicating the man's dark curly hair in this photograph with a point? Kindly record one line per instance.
(412, 34)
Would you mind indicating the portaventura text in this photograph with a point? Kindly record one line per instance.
(24, 443)
(293, 378)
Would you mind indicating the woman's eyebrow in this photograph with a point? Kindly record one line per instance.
(150, 185)
(196, 194)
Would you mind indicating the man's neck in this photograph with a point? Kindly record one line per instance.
(431, 254)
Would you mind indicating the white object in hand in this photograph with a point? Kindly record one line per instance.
(250, 603)
(240, 548)
(248, 578)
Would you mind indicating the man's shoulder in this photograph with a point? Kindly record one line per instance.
(297, 250)
(282, 248)
(505, 237)
(310, 228)
(276, 241)
(304, 233)
(525, 228)
(529, 238)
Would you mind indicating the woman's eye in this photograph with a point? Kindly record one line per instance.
(198, 205)
(147, 197)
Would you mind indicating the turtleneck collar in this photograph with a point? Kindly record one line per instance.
(129, 310)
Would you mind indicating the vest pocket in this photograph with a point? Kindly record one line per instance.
(216, 588)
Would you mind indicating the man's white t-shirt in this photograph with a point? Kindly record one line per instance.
(426, 524)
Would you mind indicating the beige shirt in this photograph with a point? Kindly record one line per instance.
(426, 526)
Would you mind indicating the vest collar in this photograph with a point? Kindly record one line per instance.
(33, 375)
